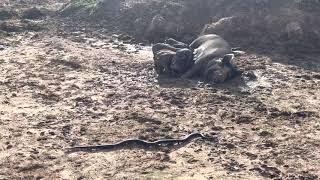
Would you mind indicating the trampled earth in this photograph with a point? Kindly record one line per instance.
(61, 88)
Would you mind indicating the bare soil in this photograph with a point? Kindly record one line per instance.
(64, 88)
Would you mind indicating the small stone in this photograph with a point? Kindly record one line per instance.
(265, 133)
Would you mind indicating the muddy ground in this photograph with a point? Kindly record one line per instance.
(61, 88)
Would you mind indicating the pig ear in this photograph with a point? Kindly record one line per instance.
(227, 59)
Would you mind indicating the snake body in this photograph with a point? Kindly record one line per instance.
(137, 142)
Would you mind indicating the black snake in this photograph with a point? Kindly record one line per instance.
(137, 142)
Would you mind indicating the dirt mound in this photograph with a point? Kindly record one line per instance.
(19, 20)
(250, 23)
(293, 25)
(153, 20)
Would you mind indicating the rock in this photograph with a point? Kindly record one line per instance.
(32, 13)
(11, 27)
(6, 14)
(267, 171)
(228, 25)
(243, 120)
(238, 53)
(109, 6)
(156, 27)
(294, 30)
(249, 76)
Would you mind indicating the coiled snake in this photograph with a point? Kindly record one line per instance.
(137, 142)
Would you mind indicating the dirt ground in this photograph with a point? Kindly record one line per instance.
(61, 88)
